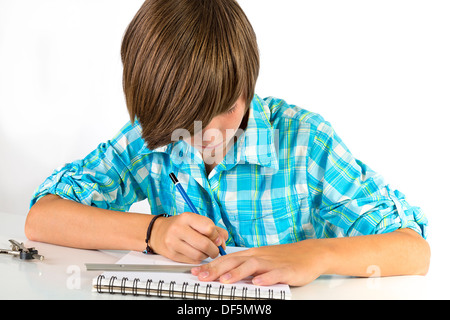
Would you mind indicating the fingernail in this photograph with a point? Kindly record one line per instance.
(225, 277)
(204, 274)
(218, 241)
(195, 270)
(257, 281)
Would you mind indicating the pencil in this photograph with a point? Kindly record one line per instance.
(189, 202)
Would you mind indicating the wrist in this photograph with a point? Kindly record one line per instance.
(323, 255)
(153, 235)
(129, 230)
(332, 255)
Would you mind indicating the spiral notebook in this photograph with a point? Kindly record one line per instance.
(179, 285)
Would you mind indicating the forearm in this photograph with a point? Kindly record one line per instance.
(68, 223)
(402, 252)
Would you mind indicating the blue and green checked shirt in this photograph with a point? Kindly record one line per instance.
(288, 178)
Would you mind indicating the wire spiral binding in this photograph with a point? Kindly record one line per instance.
(111, 284)
(172, 289)
(233, 293)
(147, 287)
(135, 288)
(257, 293)
(123, 285)
(158, 289)
(184, 290)
(99, 283)
(221, 291)
(244, 293)
(196, 288)
(208, 291)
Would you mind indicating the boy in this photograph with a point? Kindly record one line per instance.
(263, 174)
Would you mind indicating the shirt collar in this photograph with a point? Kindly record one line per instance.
(258, 141)
(256, 145)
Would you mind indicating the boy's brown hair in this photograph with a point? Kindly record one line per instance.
(186, 61)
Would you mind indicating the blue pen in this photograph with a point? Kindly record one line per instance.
(189, 202)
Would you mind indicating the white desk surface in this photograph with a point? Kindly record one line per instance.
(62, 275)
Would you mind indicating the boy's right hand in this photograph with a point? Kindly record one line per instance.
(187, 238)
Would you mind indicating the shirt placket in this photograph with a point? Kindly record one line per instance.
(194, 167)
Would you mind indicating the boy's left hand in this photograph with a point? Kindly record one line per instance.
(295, 264)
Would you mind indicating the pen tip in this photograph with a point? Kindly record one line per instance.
(173, 177)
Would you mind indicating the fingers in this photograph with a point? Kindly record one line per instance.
(238, 266)
(185, 253)
(223, 236)
(206, 227)
(268, 265)
(269, 278)
(231, 268)
(188, 238)
(201, 243)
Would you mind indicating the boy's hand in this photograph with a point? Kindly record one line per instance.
(294, 264)
(188, 238)
(300, 263)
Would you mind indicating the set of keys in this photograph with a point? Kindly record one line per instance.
(19, 250)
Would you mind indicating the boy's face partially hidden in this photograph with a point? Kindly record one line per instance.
(218, 136)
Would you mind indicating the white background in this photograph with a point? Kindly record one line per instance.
(379, 71)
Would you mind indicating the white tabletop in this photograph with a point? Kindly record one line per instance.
(62, 275)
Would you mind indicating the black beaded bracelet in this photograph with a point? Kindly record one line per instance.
(148, 250)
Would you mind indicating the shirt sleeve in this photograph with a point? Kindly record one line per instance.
(348, 198)
(102, 179)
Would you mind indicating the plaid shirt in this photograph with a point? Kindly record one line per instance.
(289, 177)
